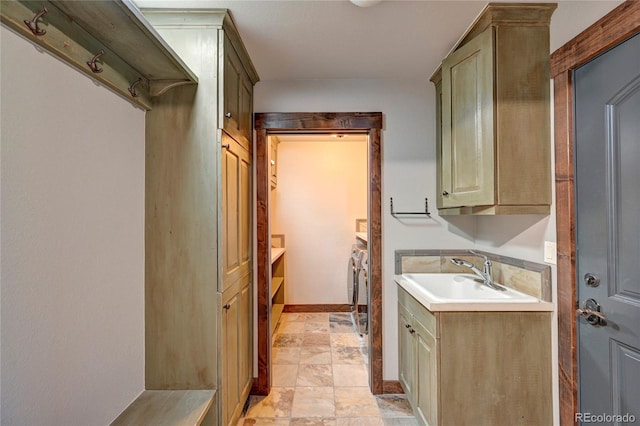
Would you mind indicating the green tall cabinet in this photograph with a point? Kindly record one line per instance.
(199, 293)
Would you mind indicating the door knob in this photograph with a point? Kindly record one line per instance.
(591, 280)
(591, 312)
(445, 193)
(228, 115)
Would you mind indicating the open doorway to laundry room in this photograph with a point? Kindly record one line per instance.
(359, 126)
(318, 211)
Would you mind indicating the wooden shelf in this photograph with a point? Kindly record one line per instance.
(276, 311)
(277, 279)
(276, 283)
(77, 30)
(276, 252)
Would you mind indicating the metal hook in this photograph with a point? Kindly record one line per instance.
(132, 88)
(33, 24)
(92, 63)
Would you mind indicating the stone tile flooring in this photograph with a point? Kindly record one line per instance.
(320, 378)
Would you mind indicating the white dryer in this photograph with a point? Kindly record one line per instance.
(357, 288)
(361, 312)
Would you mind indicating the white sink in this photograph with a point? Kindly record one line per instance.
(460, 292)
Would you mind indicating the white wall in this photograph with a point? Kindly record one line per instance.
(322, 190)
(408, 141)
(72, 242)
(408, 152)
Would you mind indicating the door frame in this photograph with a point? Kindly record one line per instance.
(362, 122)
(620, 24)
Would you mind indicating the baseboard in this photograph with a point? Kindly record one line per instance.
(316, 308)
(391, 386)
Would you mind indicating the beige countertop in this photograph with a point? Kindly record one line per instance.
(434, 302)
(362, 236)
(276, 252)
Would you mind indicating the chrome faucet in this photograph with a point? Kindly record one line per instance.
(485, 274)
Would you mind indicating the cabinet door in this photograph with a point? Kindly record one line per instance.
(406, 353)
(245, 342)
(237, 105)
(231, 88)
(426, 387)
(229, 351)
(246, 108)
(236, 214)
(467, 125)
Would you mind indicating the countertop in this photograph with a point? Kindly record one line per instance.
(362, 236)
(435, 305)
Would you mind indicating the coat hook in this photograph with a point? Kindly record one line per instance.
(132, 88)
(93, 64)
(33, 24)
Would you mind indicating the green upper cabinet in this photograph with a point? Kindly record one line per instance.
(237, 98)
(493, 115)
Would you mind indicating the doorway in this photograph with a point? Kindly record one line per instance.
(273, 123)
(619, 25)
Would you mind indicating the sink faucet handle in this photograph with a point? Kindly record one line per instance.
(487, 261)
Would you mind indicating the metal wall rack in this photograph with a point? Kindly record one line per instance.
(406, 214)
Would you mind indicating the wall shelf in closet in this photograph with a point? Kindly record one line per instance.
(277, 279)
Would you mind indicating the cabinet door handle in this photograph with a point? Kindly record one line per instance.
(228, 115)
(227, 306)
(445, 193)
(225, 146)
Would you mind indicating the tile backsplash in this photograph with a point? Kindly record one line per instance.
(527, 277)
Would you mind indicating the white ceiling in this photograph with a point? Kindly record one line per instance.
(334, 39)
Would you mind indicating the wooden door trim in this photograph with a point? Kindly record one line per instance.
(365, 122)
(615, 27)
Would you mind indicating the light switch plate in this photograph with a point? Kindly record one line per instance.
(550, 252)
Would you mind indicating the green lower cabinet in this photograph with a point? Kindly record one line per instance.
(475, 368)
(418, 366)
(406, 352)
(426, 387)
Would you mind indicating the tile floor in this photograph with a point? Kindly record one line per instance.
(320, 378)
